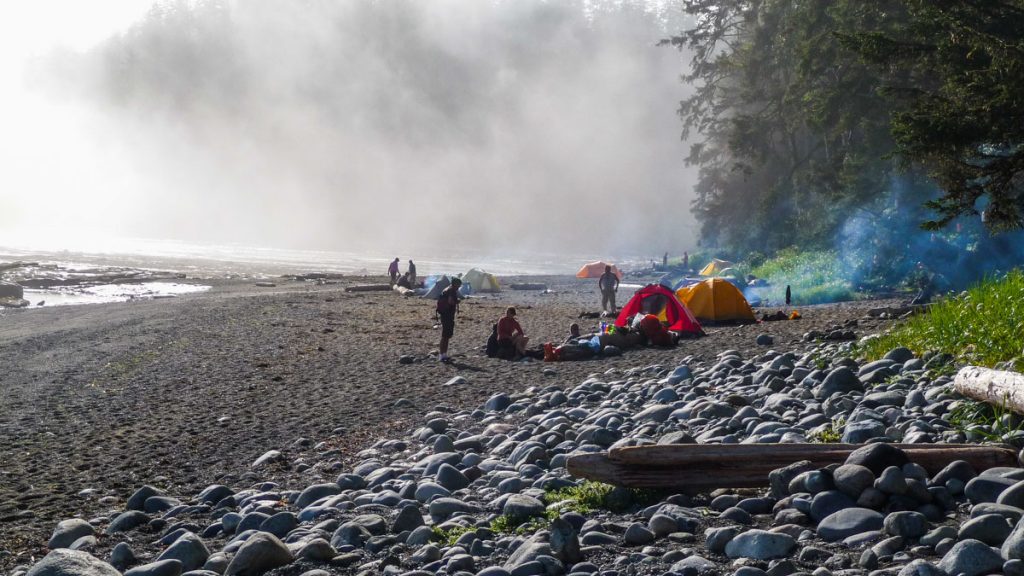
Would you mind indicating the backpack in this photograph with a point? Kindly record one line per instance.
(443, 303)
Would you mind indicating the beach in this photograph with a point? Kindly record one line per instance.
(184, 392)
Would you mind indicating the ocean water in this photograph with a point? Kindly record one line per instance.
(219, 261)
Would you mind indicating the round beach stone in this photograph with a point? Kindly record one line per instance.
(760, 545)
(906, 524)
(315, 492)
(260, 553)
(67, 531)
(971, 558)
(992, 529)
(64, 562)
(521, 506)
(637, 535)
(158, 568)
(877, 457)
(826, 503)
(848, 522)
(852, 479)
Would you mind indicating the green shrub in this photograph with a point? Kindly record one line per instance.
(982, 326)
(814, 277)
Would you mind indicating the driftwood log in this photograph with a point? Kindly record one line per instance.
(528, 286)
(696, 467)
(368, 288)
(997, 387)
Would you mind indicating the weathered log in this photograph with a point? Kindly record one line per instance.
(997, 387)
(368, 288)
(709, 466)
(528, 286)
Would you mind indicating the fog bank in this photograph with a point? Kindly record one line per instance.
(504, 126)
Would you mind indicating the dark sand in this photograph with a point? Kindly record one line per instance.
(185, 392)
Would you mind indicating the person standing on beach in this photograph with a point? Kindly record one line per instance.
(447, 308)
(686, 261)
(412, 272)
(393, 271)
(609, 285)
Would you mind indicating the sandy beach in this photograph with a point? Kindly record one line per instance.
(180, 393)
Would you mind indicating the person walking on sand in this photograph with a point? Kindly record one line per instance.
(609, 285)
(393, 271)
(412, 273)
(511, 338)
(447, 308)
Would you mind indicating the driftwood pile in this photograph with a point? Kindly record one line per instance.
(699, 467)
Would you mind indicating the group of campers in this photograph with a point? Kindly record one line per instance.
(656, 314)
(407, 280)
(508, 341)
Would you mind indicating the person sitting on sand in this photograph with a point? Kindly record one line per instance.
(574, 334)
(447, 308)
(404, 281)
(511, 338)
(393, 271)
(412, 273)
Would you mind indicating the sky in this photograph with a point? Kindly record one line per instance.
(42, 140)
(332, 131)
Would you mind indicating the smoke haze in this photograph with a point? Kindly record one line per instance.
(503, 126)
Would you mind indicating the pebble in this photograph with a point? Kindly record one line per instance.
(469, 467)
(64, 562)
(67, 531)
(971, 558)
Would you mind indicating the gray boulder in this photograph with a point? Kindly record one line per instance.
(188, 549)
(760, 545)
(64, 562)
(261, 553)
(971, 558)
(67, 531)
(158, 568)
(847, 522)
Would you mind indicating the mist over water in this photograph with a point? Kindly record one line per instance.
(504, 127)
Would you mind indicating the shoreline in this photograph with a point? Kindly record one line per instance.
(189, 391)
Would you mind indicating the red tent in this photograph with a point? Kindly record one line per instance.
(662, 302)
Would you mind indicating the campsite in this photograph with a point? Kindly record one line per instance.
(512, 288)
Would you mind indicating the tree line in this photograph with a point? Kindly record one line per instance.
(898, 122)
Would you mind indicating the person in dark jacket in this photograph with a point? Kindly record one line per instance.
(447, 308)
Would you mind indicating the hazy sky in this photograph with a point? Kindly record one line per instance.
(343, 125)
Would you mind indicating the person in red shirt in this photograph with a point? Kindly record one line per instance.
(511, 338)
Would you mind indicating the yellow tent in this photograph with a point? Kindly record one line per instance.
(481, 281)
(715, 267)
(716, 300)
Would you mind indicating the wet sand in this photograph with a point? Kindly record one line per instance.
(185, 392)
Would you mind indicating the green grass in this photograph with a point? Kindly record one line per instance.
(831, 434)
(992, 423)
(590, 496)
(814, 277)
(982, 326)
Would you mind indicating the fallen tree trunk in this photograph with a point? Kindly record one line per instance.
(368, 288)
(997, 387)
(528, 286)
(707, 466)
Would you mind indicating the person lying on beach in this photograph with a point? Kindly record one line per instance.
(511, 338)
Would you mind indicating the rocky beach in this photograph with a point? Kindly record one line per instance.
(298, 428)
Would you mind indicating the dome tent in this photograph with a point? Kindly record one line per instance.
(596, 269)
(661, 302)
(480, 281)
(716, 300)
